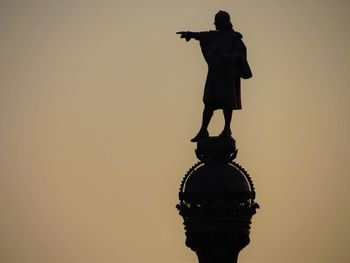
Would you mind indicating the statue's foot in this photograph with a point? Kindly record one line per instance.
(226, 133)
(201, 135)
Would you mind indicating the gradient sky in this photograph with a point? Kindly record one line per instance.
(98, 101)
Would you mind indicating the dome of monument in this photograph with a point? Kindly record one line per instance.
(217, 177)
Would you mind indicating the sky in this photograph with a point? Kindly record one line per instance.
(99, 101)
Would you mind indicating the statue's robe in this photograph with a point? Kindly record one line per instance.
(226, 56)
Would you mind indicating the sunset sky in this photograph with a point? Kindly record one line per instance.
(99, 101)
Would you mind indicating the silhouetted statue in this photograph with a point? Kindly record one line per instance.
(226, 56)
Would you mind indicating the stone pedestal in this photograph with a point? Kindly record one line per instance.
(217, 202)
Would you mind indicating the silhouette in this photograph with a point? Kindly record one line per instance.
(217, 195)
(217, 203)
(226, 56)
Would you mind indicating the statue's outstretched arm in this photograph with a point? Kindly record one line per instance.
(188, 35)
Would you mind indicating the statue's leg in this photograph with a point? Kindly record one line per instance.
(203, 132)
(207, 114)
(228, 117)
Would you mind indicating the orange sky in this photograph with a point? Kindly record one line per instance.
(98, 101)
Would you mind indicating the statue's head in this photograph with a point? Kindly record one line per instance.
(222, 20)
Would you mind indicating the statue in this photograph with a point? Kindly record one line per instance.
(226, 56)
(217, 195)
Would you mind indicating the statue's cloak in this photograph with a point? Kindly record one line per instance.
(226, 56)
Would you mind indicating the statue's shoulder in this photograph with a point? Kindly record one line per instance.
(236, 34)
(231, 35)
(237, 39)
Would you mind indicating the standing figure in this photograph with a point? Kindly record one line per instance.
(226, 56)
